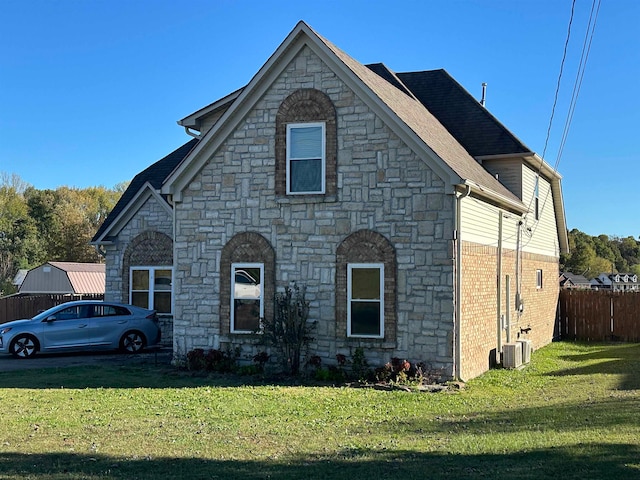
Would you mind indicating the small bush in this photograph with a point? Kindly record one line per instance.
(212, 360)
(359, 365)
(289, 332)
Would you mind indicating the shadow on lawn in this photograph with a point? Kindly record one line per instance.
(591, 461)
(612, 359)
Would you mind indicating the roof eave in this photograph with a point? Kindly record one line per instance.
(193, 121)
(144, 193)
(497, 198)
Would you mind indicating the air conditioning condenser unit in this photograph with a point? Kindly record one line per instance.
(527, 348)
(512, 355)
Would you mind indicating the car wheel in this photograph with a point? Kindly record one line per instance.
(132, 342)
(23, 346)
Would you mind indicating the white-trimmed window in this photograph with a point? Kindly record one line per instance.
(247, 302)
(538, 278)
(365, 300)
(306, 161)
(151, 287)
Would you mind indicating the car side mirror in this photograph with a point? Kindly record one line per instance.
(50, 319)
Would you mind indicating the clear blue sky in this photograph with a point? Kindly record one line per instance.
(90, 91)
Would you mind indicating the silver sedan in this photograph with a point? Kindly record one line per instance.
(81, 325)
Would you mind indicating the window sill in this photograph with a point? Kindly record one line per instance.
(371, 342)
(302, 199)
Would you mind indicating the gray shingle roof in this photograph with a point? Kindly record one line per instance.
(155, 175)
(426, 126)
(479, 132)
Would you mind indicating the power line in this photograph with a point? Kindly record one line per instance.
(586, 48)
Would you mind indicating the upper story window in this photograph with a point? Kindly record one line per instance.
(306, 158)
(306, 145)
(538, 278)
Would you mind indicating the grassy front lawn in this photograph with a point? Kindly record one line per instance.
(573, 413)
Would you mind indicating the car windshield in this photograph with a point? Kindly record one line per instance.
(42, 315)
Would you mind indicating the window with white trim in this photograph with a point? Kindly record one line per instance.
(365, 300)
(306, 163)
(247, 299)
(538, 278)
(151, 287)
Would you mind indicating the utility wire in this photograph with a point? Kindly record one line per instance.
(555, 99)
(586, 48)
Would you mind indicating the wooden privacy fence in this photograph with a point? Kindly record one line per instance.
(599, 315)
(13, 308)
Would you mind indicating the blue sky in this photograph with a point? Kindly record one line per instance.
(90, 91)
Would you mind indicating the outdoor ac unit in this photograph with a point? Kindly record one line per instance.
(527, 348)
(512, 355)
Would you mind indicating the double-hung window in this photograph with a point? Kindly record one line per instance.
(365, 300)
(247, 299)
(151, 287)
(306, 162)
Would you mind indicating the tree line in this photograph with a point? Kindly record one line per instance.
(38, 226)
(590, 256)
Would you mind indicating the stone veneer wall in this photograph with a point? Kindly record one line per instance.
(145, 240)
(381, 186)
(479, 303)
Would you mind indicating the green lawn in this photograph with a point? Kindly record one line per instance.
(573, 413)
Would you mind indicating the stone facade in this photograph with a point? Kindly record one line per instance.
(381, 187)
(144, 241)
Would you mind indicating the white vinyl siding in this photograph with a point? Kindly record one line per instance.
(543, 236)
(480, 220)
(480, 224)
(509, 173)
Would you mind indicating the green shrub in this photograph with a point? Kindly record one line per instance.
(289, 332)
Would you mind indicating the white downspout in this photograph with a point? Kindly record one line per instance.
(458, 283)
(499, 293)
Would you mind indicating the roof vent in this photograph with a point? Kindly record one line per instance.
(484, 93)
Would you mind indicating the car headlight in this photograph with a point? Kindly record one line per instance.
(5, 330)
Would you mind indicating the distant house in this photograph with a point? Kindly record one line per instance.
(616, 282)
(64, 278)
(420, 225)
(570, 280)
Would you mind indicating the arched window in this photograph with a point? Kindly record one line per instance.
(366, 287)
(147, 272)
(306, 144)
(247, 283)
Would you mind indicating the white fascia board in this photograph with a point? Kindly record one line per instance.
(538, 164)
(496, 198)
(191, 121)
(302, 35)
(212, 140)
(146, 191)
